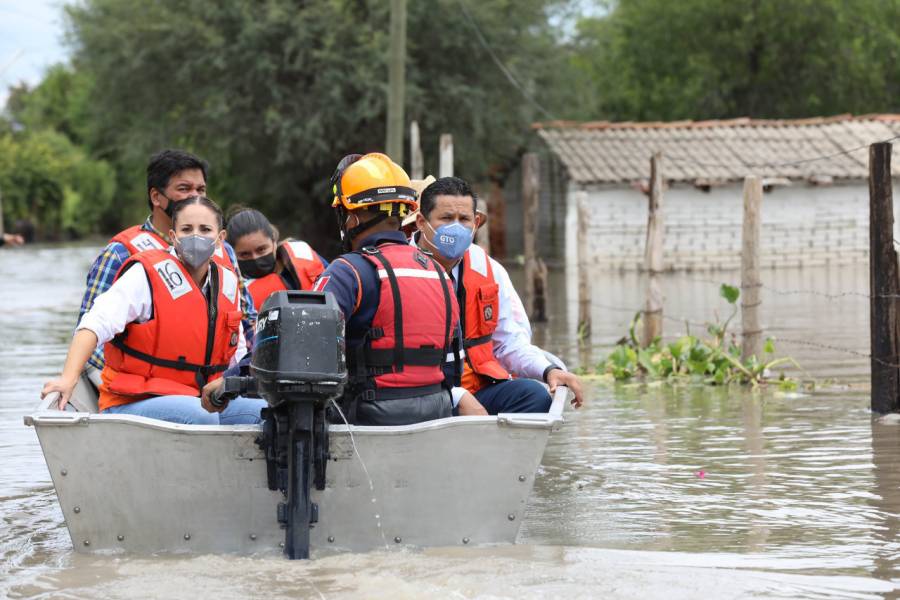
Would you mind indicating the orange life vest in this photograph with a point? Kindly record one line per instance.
(300, 260)
(186, 343)
(479, 299)
(137, 239)
(405, 346)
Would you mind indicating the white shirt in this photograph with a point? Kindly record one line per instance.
(129, 300)
(512, 339)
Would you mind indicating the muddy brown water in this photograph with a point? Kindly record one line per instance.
(648, 492)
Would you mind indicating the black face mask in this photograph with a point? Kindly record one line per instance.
(255, 268)
(170, 207)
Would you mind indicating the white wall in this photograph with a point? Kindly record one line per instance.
(801, 226)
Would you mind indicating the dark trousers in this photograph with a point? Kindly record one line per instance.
(514, 396)
(404, 411)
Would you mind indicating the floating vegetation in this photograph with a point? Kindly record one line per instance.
(713, 360)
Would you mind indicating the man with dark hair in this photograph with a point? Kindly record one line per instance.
(172, 175)
(496, 341)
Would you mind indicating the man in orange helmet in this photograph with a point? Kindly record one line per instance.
(396, 299)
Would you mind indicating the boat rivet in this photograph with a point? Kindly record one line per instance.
(77, 509)
(187, 536)
(465, 540)
(511, 517)
(253, 536)
(87, 542)
(120, 537)
(397, 540)
(330, 539)
(63, 472)
(522, 478)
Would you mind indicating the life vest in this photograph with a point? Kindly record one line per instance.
(137, 239)
(303, 263)
(187, 342)
(299, 260)
(403, 351)
(479, 300)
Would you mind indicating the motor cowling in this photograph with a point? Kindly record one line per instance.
(299, 349)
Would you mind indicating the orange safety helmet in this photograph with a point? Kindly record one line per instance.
(370, 180)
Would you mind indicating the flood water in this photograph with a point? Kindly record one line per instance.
(647, 492)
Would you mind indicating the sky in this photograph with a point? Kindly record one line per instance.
(31, 39)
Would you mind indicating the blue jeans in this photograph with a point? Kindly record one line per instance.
(187, 410)
(515, 396)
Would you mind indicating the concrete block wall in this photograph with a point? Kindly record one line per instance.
(801, 226)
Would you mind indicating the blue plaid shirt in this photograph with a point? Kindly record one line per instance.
(103, 273)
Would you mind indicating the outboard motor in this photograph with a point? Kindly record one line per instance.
(298, 365)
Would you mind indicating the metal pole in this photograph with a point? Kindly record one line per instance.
(396, 81)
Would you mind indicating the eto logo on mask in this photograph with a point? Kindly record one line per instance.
(452, 240)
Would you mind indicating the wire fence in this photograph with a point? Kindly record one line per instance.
(692, 323)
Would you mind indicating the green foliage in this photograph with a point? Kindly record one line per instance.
(696, 59)
(713, 361)
(50, 181)
(730, 293)
(274, 93)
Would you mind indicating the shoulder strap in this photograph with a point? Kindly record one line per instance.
(398, 306)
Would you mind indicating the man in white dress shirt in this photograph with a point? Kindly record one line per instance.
(495, 344)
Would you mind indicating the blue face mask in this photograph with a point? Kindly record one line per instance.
(451, 240)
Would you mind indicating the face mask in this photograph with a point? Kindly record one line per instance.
(451, 240)
(255, 268)
(195, 250)
(170, 207)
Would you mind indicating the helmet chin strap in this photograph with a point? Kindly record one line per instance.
(347, 235)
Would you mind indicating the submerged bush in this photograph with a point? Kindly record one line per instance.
(715, 360)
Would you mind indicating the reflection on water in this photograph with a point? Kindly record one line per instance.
(648, 492)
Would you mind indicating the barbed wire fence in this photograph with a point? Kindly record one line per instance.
(827, 295)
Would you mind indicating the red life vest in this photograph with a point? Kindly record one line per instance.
(481, 296)
(410, 333)
(302, 261)
(186, 343)
(298, 258)
(137, 239)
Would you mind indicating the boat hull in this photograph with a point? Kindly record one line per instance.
(132, 484)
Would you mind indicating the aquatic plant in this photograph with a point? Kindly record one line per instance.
(715, 360)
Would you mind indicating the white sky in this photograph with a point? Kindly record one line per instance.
(31, 39)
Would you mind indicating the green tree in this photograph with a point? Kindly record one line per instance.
(694, 59)
(51, 182)
(273, 93)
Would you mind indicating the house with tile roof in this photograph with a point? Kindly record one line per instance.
(814, 212)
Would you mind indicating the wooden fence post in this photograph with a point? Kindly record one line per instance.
(584, 261)
(653, 255)
(446, 156)
(751, 334)
(884, 285)
(483, 235)
(497, 221)
(535, 270)
(396, 92)
(416, 162)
